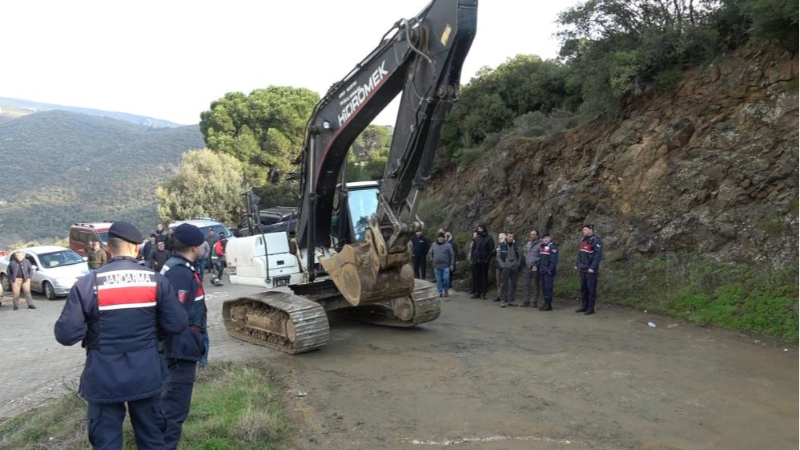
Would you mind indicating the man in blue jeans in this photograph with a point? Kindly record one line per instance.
(444, 259)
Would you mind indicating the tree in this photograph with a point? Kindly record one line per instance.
(372, 139)
(775, 20)
(207, 184)
(263, 130)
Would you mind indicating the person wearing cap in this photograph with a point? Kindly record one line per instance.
(548, 261)
(590, 254)
(118, 313)
(444, 259)
(508, 255)
(184, 350)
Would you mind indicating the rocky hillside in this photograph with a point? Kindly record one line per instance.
(709, 168)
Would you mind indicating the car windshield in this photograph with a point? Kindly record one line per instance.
(58, 259)
(103, 236)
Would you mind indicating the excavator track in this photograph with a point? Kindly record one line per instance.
(278, 320)
(422, 306)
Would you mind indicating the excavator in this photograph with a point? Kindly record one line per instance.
(347, 250)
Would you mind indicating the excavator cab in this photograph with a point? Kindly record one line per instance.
(354, 205)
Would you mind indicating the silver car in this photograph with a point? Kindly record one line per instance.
(55, 270)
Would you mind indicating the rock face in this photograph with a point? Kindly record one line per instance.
(710, 168)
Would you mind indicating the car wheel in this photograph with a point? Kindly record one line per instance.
(6, 286)
(49, 292)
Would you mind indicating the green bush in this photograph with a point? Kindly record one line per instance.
(773, 20)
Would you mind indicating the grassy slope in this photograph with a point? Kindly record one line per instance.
(233, 407)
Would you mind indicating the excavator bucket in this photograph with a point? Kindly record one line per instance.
(358, 275)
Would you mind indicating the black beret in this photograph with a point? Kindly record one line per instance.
(125, 231)
(545, 234)
(189, 235)
(589, 226)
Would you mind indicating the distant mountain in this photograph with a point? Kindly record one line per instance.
(61, 167)
(15, 107)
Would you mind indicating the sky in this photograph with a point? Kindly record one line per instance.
(171, 59)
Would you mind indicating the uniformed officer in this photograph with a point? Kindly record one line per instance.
(184, 350)
(548, 261)
(588, 265)
(118, 312)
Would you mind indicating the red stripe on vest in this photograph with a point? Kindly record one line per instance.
(200, 291)
(126, 295)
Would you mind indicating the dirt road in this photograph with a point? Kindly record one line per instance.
(482, 377)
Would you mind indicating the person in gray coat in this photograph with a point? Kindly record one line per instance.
(444, 259)
(508, 256)
(531, 270)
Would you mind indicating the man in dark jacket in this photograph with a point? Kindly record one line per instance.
(169, 243)
(159, 257)
(508, 256)
(531, 268)
(161, 235)
(211, 240)
(482, 251)
(472, 266)
(184, 350)
(420, 246)
(448, 237)
(548, 261)
(20, 271)
(588, 265)
(147, 250)
(118, 313)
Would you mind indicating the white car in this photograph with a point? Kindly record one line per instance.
(55, 270)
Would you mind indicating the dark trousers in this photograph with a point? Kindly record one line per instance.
(508, 288)
(548, 281)
(588, 289)
(532, 279)
(474, 274)
(105, 424)
(420, 267)
(482, 270)
(177, 399)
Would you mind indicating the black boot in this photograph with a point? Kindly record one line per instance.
(534, 305)
(547, 306)
(589, 312)
(583, 308)
(476, 295)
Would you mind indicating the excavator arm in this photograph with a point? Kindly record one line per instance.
(419, 58)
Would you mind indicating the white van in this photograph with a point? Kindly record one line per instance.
(247, 264)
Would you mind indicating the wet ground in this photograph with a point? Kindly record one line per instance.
(482, 377)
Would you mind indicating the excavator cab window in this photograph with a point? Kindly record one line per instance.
(363, 203)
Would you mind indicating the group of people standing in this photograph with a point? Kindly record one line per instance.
(536, 262)
(144, 333)
(160, 247)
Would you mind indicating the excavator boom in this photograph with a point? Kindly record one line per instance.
(420, 58)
